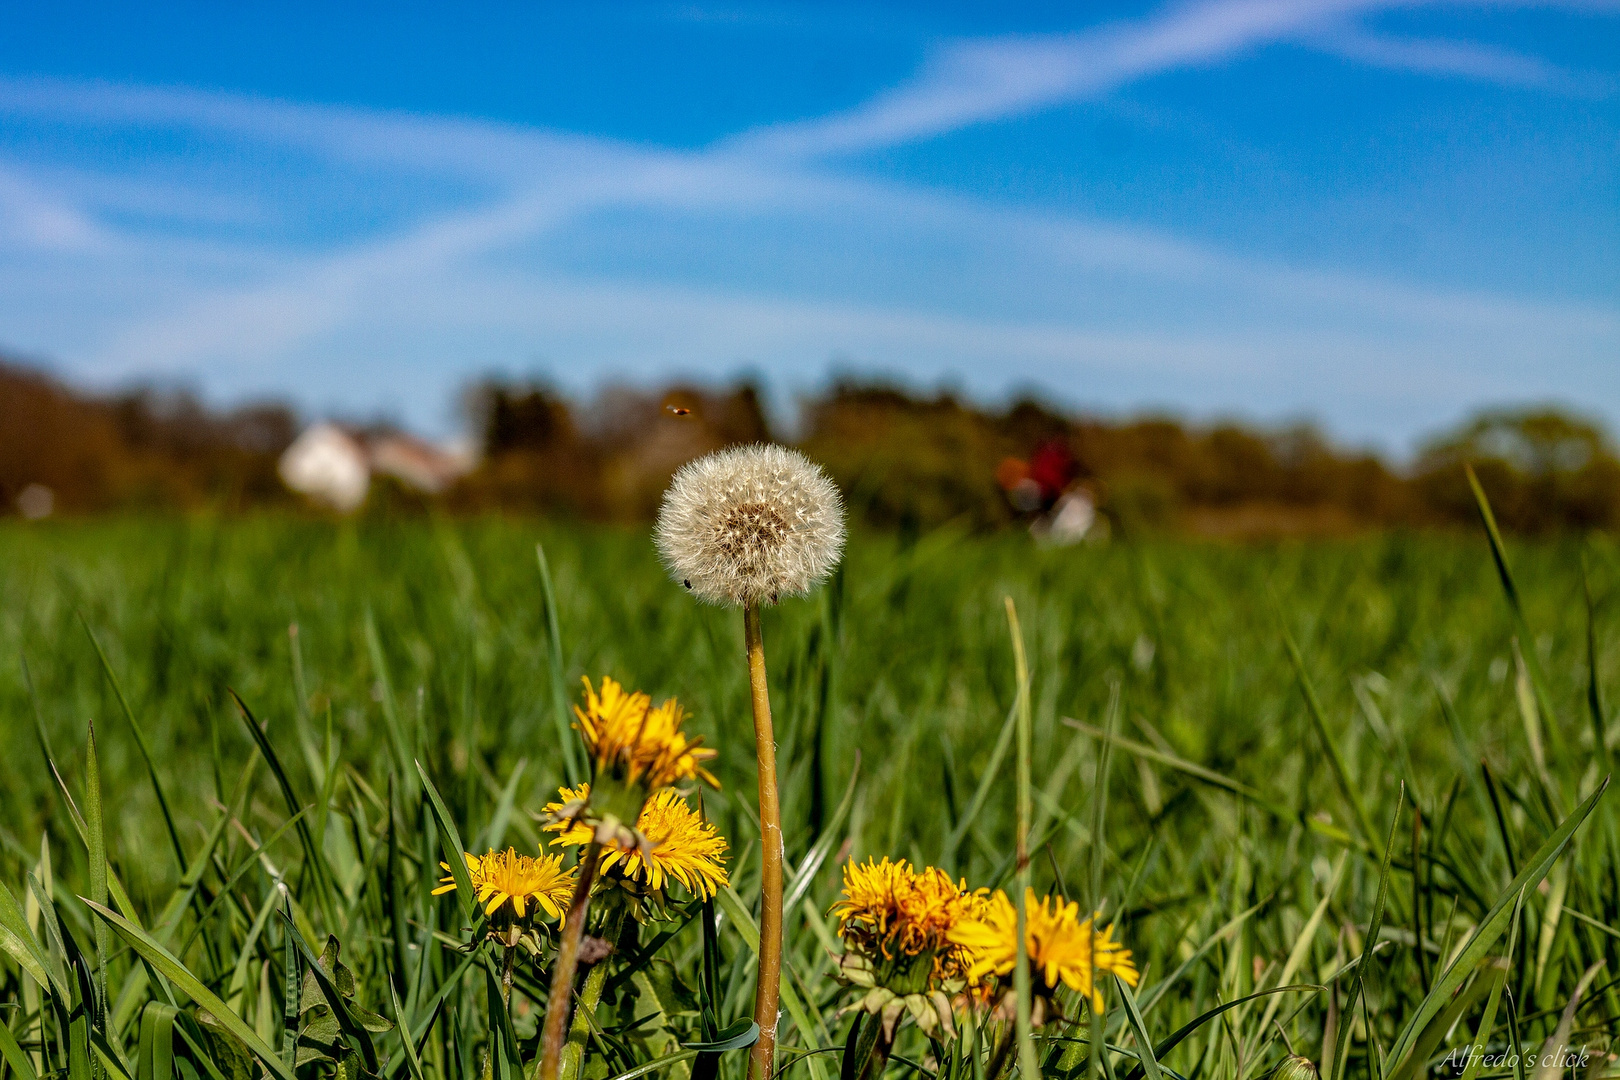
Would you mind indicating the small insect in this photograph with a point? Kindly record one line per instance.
(687, 582)
(678, 410)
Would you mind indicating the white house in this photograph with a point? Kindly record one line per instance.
(334, 467)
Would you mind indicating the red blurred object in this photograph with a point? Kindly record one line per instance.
(1052, 467)
(1035, 485)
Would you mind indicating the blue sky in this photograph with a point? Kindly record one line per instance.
(1375, 214)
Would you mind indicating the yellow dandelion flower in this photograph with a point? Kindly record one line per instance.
(680, 844)
(631, 739)
(892, 911)
(1062, 947)
(869, 895)
(505, 876)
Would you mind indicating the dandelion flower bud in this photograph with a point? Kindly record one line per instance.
(1295, 1067)
(750, 524)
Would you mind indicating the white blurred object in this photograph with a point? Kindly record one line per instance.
(36, 501)
(332, 466)
(1069, 520)
(421, 464)
(329, 465)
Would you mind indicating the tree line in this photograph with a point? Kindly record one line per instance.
(905, 461)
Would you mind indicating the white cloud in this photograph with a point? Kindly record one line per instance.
(32, 217)
(979, 80)
(969, 82)
(1487, 63)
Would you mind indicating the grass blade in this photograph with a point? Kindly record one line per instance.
(1490, 928)
(987, 784)
(1029, 1064)
(140, 742)
(1313, 705)
(1150, 1063)
(156, 1057)
(1375, 926)
(748, 930)
(395, 874)
(1505, 574)
(404, 1029)
(433, 1009)
(14, 1056)
(1302, 944)
(1417, 1060)
(1203, 1018)
(1232, 926)
(178, 974)
(314, 862)
(19, 942)
(805, 876)
(454, 854)
(572, 767)
(1487, 1020)
(1594, 687)
(495, 834)
(96, 839)
(403, 752)
(673, 1059)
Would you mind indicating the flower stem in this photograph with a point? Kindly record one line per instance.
(881, 1049)
(761, 1059)
(562, 976)
(506, 975)
(589, 996)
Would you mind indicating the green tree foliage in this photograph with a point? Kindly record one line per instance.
(1544, 471)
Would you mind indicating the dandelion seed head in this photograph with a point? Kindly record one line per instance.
(751, 524)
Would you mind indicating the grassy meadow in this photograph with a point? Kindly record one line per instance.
(1231, 809)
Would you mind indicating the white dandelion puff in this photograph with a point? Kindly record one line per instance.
(751, 524)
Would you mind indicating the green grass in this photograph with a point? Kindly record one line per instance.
(1221, 792)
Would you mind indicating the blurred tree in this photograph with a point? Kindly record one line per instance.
(144, 448)
(522, 417)
(54, 439)
(1544, 470)
(908, 462)
(643, 437)
(533, 458)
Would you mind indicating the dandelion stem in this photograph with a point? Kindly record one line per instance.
(562, 976)
(506, 974)
(881, 1049)
(768, 989)
(589, 997)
